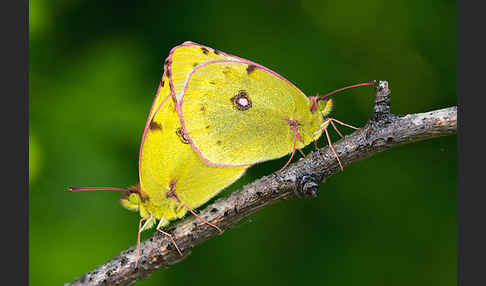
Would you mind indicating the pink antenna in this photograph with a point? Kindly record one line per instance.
(315, 99)
(372, 82)
(83, 189)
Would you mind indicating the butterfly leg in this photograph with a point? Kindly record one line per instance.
(342, 123)
(301, 152)
(332, 148)
(293, 126)
(169, 235)
(138, 240)
(140, 229)
(335, 128)
(200, 218)
(291, 156)
(173, 195)
(324, 126)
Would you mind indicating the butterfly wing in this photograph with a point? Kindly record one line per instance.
(184, 58)
(237, 113)
(166, 158)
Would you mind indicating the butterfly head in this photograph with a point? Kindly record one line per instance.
(130, 199)
(322, 104)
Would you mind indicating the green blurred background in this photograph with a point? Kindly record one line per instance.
(387, 220)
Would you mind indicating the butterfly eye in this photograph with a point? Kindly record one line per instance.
(241, 100)
(181, 135)
(133, 198)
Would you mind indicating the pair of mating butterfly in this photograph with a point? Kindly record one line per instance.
(214, 115)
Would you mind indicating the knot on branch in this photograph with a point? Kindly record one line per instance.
(382, 114)
(307, 186)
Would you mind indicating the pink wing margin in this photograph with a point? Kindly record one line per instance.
(178, 103)
(147, 124)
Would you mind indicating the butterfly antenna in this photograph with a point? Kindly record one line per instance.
(83, 189)
(372, 82)
(316, 99)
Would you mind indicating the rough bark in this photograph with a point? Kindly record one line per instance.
(301, 179)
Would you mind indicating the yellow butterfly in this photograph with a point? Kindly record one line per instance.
(235, 112)
(213, 116)
(173, 179)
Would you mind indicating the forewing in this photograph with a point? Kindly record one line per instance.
(229, 131)
(186, 57)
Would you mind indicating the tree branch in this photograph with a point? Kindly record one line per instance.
(301, 179)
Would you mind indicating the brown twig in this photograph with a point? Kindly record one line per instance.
(301, 179)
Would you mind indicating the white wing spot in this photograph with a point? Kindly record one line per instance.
(243, 101)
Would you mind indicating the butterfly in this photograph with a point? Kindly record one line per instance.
(172, 178)
(214, 115)
(235, 112)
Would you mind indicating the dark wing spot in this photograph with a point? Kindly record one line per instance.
(216, 52)
(203, 108)
(162, 83)
(207, 126)
(171, 192)
(212, 82)
(250, 68)
(195, 64)
(154, 125)
(218, 142)
(241, 100)
(226, 70)
(204, 50)
(181, 135)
